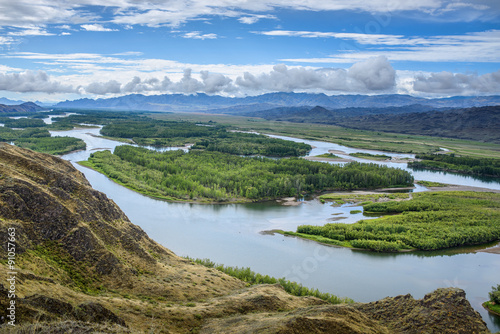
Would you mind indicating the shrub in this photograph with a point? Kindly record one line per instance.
(495, 294)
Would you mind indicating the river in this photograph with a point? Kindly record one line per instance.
(231, 234)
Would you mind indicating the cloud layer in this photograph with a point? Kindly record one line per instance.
(372, 75)
(481, 46)
(173, 13)
(30, 81)
(458, 84)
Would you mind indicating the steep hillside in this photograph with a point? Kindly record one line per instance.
(482, 124)
(22, 108)
(81, 266)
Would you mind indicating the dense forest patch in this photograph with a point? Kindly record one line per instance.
(39, 139)
(52, 145)
(428, 221)
(464, 165)
(215, 176)
(210, 137)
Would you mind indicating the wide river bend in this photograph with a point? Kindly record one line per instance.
(231, 234)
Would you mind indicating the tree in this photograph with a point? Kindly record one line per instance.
(495, 294)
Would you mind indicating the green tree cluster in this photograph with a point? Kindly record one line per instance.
(10, 135)
(429, 221)
(465, 165)
(216, 176)
(252, 144)
(495, 294)
(52, 145)
(146, 131)
(23, 123)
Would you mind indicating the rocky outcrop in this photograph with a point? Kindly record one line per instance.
(442, 311)
(83, 267)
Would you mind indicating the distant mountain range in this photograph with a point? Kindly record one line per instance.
(10, 102)
(25, 107)
(212, 103)
(478, 123)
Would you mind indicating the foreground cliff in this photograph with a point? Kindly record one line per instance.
(81, 266)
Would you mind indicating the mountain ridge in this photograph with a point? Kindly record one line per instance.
(204, 102)
(21, 108)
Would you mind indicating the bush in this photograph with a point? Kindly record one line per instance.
(495, 294)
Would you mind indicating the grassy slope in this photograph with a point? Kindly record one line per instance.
(349, 137)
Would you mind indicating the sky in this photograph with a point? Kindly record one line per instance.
(54, 50)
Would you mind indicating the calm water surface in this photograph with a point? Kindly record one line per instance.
(231, 234)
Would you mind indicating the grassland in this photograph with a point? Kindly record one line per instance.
(432, 184)
(370, 156)
(381, 141)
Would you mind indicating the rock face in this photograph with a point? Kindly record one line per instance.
(82, 266)
(442, 311)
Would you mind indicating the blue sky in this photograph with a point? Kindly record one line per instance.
(57, 50)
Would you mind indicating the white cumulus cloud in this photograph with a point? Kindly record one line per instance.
(199, 35)
(457, 83)
(374, 74)
(96, 27)
(29, 81)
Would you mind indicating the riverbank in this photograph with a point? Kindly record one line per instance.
(371, 157)
(494, 250)
(328, 159)
(452, 187)
(325, 241)
(492, 308)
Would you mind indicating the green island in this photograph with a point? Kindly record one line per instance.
(39, 139)
(427, 221)
(250, 277)
(328, 156)
(52, 145)
(459, 164)
(22, 123)
(207, 176)
(146, 131)
(432, 184)
(370, 156)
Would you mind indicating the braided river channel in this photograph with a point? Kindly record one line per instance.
(231, 234)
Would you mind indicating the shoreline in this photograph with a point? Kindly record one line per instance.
(327, 159)
(283, 233)
(453, 187)
(490, 310)
(493, 250)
